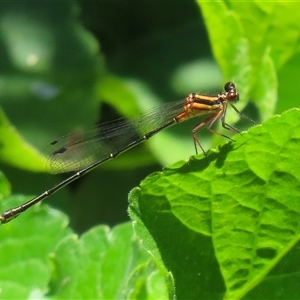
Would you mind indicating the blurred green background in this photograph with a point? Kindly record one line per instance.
(70, 65)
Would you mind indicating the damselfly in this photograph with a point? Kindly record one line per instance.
(85, 151)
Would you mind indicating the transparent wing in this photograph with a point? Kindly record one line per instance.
(81, 149)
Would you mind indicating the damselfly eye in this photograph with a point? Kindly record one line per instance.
(231, 92)
(229, 87)
(232, 96)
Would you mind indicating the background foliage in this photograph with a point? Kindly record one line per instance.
(226, 226)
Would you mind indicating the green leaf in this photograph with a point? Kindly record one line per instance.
(15, 151)
(102, 264)
(228, 225)
(42, 257)
(258, 39)
(25, 247)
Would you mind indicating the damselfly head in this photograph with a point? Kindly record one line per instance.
(231, 92)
